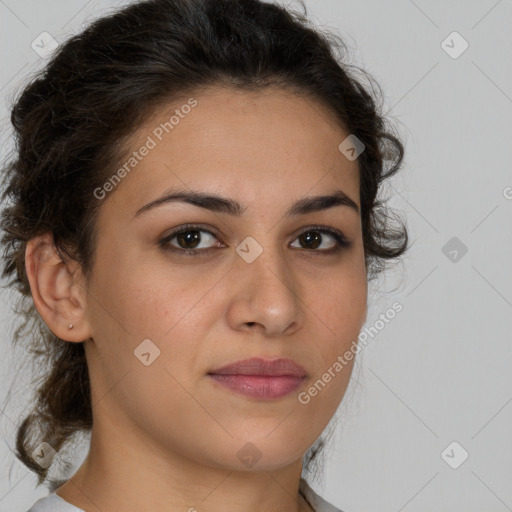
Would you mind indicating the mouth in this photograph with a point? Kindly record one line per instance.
(260, 378)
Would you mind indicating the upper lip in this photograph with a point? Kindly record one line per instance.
(261, 366)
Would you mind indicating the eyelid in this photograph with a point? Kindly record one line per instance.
(191, 227)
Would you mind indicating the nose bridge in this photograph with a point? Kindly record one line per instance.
(265, 259)
(267, 283)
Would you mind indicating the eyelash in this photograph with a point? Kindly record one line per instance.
(339, 237)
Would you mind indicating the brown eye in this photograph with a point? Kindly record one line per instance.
(185, 238)
(188, 240)
(311, 239)
(314, 238)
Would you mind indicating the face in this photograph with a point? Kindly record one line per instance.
(165, 308)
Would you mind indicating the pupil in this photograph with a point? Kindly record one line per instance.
(307, 238)
(184, 237)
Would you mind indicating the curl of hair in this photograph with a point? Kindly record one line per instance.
(72, 121)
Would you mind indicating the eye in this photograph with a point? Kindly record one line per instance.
(189, 240)
(314, 236)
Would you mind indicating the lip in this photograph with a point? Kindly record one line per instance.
(260, 366)
(260, 378)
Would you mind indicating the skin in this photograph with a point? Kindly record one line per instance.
(165, 437)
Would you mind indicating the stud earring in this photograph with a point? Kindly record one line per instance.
(70, 326)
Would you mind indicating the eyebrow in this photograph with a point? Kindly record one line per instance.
(220, 204)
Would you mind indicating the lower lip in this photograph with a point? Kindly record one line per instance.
(260, 386)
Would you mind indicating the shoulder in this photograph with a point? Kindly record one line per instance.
(53, 503)
(316, 501)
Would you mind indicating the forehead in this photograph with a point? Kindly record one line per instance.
(238, 142)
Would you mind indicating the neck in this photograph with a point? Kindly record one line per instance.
(117, 477)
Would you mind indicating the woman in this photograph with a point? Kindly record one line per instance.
(193, 222)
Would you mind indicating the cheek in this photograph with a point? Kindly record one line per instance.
(170, 307)
(341, 308)
(341, 304)
(143, 300)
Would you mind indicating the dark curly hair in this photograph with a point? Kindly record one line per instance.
(72, 121)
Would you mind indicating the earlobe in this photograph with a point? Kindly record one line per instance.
(58, 296)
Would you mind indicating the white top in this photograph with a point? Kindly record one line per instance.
(54, 503)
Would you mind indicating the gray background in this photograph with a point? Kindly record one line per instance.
(439, 372)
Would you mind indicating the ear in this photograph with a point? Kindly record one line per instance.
(57, 290)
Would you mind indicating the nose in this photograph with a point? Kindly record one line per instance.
(266, 296)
